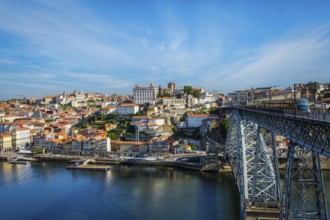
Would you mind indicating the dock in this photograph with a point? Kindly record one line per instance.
(89, 167)
(20, 160)
(86, 166)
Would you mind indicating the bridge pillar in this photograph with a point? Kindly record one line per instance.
(252, 167)
(303, 192)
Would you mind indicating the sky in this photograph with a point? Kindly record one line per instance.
(48, 47)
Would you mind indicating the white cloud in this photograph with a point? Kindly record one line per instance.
(69, 43)
(294, 60)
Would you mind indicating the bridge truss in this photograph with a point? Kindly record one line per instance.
(251, 150)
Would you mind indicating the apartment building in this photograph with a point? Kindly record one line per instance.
(96, 146)
(159, 145)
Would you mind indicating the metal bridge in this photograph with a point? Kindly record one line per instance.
(251, 151)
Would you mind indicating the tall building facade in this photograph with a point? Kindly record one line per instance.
(143, 95)
(5, 142)
(21, 138)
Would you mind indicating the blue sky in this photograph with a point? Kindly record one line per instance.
(47, 47)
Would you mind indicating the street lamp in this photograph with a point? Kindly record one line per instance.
(295, 96)
(294, 99)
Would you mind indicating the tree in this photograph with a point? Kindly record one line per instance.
(313, 87)
(37, 150)
(194, 147)
(113, 136)
(187, 90)
(224, 127)
(178, 96)
(197, 93)
(159, 91)
(214, 111)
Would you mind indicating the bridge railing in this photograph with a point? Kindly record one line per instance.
(313, 115)
(307, 132)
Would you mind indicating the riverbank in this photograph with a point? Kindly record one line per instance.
(171, 161)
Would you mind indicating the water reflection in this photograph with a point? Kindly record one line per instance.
(49, 191)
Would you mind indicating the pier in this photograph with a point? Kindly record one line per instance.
(86, 166)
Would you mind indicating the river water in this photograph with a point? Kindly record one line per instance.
(49, 191)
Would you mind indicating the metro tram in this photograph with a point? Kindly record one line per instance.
(300, 105)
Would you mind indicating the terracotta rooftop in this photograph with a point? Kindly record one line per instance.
(127, 105)
(109, 107)
(202, 115)
(128, 142)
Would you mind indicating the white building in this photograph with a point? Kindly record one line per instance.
(195, 120)
(142, 95)
(149, 120)
(206, 97)
(128, 109)
(178, 103)
(21, 138)
(157, 121)
(79, 96)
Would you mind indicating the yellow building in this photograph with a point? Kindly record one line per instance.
(5, 142)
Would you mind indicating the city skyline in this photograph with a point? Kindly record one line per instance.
(50, 47)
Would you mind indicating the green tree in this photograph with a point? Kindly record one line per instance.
(194, 147)
(313, 87)
(113, 136)
(159, 91)
(178, 96)
(214, 111)
(187, 90)
(166, 94)
(197, 93)
(37, 150)
(224, 127)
